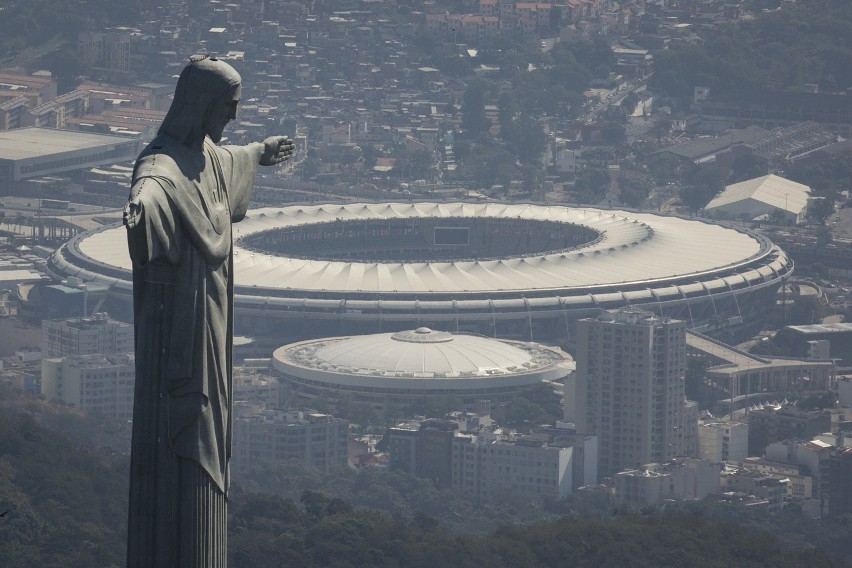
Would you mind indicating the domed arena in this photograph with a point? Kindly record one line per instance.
(407, 366)
(502, 270)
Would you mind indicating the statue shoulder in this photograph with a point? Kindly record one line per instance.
(157, 160)
(155, 174)
(164, 157)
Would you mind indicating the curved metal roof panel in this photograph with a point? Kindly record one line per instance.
(420, 355)
(633, 248)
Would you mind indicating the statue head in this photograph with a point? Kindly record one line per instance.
(205, 100)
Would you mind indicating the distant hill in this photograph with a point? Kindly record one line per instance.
(65, 507)
(31, 29)
(802, 43)
(269, 531)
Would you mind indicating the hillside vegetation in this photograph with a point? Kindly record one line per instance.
(66, 507)
(39, 31)
(805, 42)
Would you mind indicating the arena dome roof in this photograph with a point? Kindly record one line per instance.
(425, 351)
(420, 360)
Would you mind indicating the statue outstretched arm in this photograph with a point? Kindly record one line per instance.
(240, 163)
(276, 149)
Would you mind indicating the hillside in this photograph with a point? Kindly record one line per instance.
(45, 31)
(65, 507)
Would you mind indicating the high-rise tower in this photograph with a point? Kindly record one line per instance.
(630, 389)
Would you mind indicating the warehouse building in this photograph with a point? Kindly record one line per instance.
(35, 152)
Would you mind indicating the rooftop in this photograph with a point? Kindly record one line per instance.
(24, 143)
(840, 327)
(773, 190)
(703, 147)
(634, 247)
(421, 353)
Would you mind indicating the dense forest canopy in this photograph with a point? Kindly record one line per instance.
(30, 29)
(73, 514)
(271, 531)
(805, 42)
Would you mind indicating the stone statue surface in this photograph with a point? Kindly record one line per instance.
(186, 193)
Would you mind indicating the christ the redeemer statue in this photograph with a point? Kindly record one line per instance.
(186, 193)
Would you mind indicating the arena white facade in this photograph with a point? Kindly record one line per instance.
(410, 365)
(503, 270)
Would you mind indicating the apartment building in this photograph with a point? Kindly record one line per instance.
(102, 384)
(630, 389)
(315, 439)
(489, 462)
(723, 441)
(86, 336)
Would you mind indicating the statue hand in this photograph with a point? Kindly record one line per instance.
(132, 213)
(276, 149)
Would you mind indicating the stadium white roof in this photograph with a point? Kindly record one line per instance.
(772, 190)
(424, 351)
(633, 248)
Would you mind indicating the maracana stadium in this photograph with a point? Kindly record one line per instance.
(516, 271)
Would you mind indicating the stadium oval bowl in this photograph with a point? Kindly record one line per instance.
(285, 283)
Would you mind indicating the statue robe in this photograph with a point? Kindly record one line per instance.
(181, 248)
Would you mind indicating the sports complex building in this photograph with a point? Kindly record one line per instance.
(409, 366)
(504, 270)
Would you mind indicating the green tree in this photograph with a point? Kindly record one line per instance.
(591, 185)
(662, 127)
(595, 56)
(703, 183)
(418, 164)
(806, 310)
(474, 120)
(822, 209)
(525, 139)
(369, 154)
(678, 71)
(507, 108)
(694, 376)
(555, 18)
(823, 236)
(629, 102)
(310, 167)
(65, 65)
(599, 157)
(488, 165)
(634, 190)
(778, 217)
(448, 61)
(613, 133)
(364, 415)
(532, 177)
(747, 166)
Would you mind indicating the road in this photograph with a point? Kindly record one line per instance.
(633, 85)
